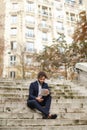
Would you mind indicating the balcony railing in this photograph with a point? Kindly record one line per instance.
(29, 35)
(46, 2)
(44, 27)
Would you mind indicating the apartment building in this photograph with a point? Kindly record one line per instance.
(32, 24)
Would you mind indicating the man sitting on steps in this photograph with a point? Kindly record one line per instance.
(39, 96)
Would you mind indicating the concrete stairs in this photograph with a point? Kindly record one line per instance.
(69, 102)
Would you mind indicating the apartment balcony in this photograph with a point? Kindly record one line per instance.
(13, 36)
(71, 6)
(14, 24)
(30, 11)
(29, 0)
(45, 28)
(12, 64)
(60, 30)
(46, 2)
(30, 24)
(44, 14)
(29, 51)
(59, 6)
(29, 36)
(60, 18)
(71, 20)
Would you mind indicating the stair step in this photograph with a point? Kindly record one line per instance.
(41, 122)
(69, 127)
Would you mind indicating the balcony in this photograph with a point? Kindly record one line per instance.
(43, 13)
(46, 2)
(29, 36)
(45, 28)
(60, 30)
(71, 5)
(30, 11)
(30, 24)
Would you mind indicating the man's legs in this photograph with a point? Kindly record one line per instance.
(47, 103)
(39, 106)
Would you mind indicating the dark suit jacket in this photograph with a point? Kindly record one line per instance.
(34, 89)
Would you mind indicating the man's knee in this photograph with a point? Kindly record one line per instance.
(31, 103)
(49, 97)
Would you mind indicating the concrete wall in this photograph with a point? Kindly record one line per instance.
(82, 70)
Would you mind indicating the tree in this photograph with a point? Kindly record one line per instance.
(80, 36)
(54, 56)
(48, 58)
(1, 56)
(25, 64)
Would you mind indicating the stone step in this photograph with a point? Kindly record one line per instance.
(61, 101)
(60, 107)
(53, 89)
(20, 87)
(59, 89)
(54, 103)
(18, 114)
(25, 93)
(41, 122)
(9, 99)
(55, 95)
(46, 127)
(62, 110)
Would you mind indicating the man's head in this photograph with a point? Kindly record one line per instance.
(41, 77)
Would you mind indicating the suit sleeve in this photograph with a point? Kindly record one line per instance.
(31, 91)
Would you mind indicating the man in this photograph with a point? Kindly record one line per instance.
(39, 96)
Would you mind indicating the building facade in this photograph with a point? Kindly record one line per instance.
(32, 24)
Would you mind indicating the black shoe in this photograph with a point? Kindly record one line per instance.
(45, 117)
(53, 116)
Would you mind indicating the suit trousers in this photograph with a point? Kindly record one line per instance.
(43, 107)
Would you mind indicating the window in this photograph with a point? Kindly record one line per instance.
(13, 45)
(28, 61)
(30, 19)
(30, 6)
(80, 1)
(59, 25)
(44, 10)
(12, 74)
(72, 17)
(14, 19)
(29, 46)
(14, 31)
(58, 0)
(44, 36)
(59, 13)
(14, 6)
(12, 60)
(43, 23)
(70, 30)
(70, 1)
(29, 32)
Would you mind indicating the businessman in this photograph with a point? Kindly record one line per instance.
(40, 97)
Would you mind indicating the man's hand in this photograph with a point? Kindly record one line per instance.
(39, 99)
(47, 92)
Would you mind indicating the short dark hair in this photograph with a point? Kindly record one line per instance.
(41, 74)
